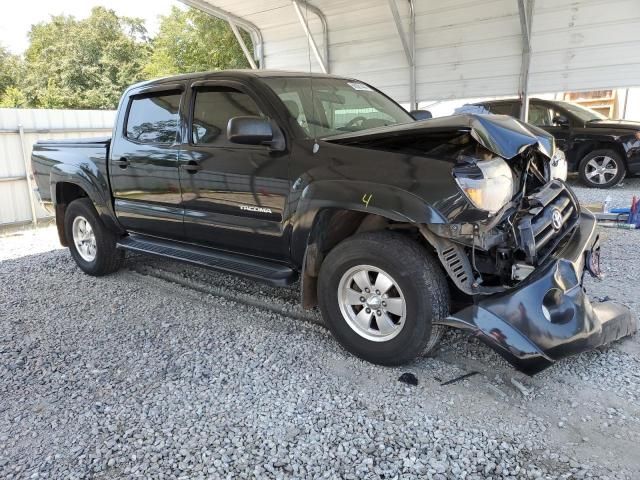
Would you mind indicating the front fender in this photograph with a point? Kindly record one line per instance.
(366, 197)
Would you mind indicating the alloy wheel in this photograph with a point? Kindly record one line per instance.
(372, 303)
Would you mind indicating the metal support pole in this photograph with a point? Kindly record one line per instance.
(624, 108)
(324, 62)
(408, 44)
(27, 171)
(256, 34)
(243, 45)
(412, 42)
(525, 10)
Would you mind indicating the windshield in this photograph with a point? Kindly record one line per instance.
(336, 105)
(583, 113)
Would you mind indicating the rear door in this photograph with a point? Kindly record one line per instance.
(234, 196)
(144, 163)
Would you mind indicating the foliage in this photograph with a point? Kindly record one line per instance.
(11, 73)
(84, 63)
(12, 97)
(88, 63)
(192, 41)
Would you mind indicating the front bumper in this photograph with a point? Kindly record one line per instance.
(548, 316)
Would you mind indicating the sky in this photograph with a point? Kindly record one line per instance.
(18, 15)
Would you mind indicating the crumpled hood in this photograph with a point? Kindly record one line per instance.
(501, 134)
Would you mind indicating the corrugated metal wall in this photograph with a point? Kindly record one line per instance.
(15, 205)
(464, 48)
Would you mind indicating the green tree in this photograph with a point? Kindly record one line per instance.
(13, 97)
(85, 63)
(11, 73)
(192, 41)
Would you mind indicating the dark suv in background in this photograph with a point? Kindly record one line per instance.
(602, 151)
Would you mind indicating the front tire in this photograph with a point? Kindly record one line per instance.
(91, 244)
(601, 169)
(379, 294)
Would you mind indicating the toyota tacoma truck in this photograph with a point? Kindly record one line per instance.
(395, 228)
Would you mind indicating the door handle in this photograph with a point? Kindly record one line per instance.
(191, 167)
(122, 163)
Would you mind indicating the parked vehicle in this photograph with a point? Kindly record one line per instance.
(396, 228)
(602, 151)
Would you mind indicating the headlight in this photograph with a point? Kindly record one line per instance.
(558, 166)
(488, 184)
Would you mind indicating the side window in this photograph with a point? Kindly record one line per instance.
(501, 108)
(293, 103)
(153, 118)
(540, 116)
(212, 110)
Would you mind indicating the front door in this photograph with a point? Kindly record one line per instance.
(144, 165)
(234, 196)
(544, 116)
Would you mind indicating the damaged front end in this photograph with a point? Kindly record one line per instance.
(521, 252)
(509, 232)
(548, 315)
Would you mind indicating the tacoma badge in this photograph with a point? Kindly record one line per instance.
(250, 208)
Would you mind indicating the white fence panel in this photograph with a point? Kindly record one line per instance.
(19, 130)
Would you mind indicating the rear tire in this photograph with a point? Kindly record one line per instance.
(601, 169)
(91, 244)
(418, 295)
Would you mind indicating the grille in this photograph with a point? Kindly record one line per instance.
(552, 213)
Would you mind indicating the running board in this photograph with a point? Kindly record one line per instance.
(264, 270)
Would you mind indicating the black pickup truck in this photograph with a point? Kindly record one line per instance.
(396, 228)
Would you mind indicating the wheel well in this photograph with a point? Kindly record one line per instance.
(332, 226)
(65, 194)
(592, 146)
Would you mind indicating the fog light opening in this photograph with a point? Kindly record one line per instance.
(556, 307)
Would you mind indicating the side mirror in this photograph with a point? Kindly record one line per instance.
(561, 121)
(421, 114)
(249, 131)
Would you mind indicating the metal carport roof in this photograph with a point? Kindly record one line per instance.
(418, 50)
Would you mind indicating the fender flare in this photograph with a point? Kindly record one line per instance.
(88, 177)
(386, 201)
(584, 144)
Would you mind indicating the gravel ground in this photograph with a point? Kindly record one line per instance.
(168, 371)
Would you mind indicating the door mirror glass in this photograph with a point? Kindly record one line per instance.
(249, 130)
(421, 114)
(561, 121)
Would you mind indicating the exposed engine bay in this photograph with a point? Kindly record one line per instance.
(530, 213)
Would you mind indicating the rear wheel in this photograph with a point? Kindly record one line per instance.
(380, 293)
(91, 244)
(601, 169)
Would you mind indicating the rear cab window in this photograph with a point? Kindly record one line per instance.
(153, 118)
(502, 109)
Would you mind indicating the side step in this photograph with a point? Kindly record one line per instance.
(264, 270)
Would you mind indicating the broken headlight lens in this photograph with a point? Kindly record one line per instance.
(558, 166)
(488, 184)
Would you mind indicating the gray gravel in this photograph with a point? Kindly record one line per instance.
(168, 371)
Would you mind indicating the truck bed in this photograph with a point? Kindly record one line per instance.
(48, 154)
